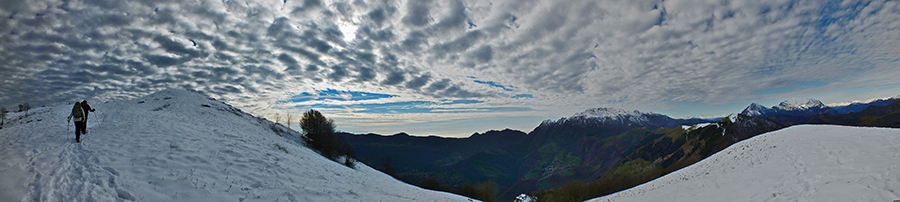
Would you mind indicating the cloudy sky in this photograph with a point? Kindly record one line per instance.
(452, 67)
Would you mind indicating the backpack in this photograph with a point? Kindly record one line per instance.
(78, 112)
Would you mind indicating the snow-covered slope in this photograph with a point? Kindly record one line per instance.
(799, 163)
(177, 145)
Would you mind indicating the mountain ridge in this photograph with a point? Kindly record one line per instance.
(791, 107)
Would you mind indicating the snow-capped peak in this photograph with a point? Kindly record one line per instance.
(604, 112)
(755, 109)
(800, 104)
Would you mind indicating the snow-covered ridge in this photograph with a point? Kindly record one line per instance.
(614, 114)
(177, 145)
(604, 112)
(796, 104)
(799, 163)
(619, 116)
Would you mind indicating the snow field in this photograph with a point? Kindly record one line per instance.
(799, 163)
(176, 145)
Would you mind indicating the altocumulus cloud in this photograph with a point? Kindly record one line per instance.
(529, 56)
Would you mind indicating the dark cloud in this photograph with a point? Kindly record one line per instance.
(456, 20)
(338, 72)
(366, 57)
(378, 16)
(418, 82)
(312, 68)
(287, 60)
(332, 34)
(483, 54)
(312, 56)
(460, 44)
(307, 6)
(377, 35)
(224, 90)
(366, 74)
(458, 92)
(115, 69)
(418, 13)
(262, 71)
(162, 60)
(176, 47)
(394, 77)
(414, 40)
(281, 28)
(439, 85)
(343, 8)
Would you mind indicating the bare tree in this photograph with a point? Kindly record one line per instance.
(289, 119)
(277, 117)
(24, 107)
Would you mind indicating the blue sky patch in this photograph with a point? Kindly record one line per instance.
(465, 102)
(522, 96)
(332, 94)
(495, 84)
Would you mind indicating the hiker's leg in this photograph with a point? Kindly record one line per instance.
(84, 127)
(79, 127)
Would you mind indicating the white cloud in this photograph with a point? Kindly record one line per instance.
(568, 55)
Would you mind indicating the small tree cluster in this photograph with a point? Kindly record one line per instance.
(320, 135)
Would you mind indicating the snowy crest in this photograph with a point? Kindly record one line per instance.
(797, 104)
(604, 112)
(793, 107)
(620, 116)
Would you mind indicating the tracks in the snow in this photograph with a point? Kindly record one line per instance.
(68, 171)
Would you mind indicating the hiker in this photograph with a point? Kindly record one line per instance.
(80, 122)
(87, 110)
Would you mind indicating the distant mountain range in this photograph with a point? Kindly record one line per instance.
(859, 106)
(608, 149)
(792, 107)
